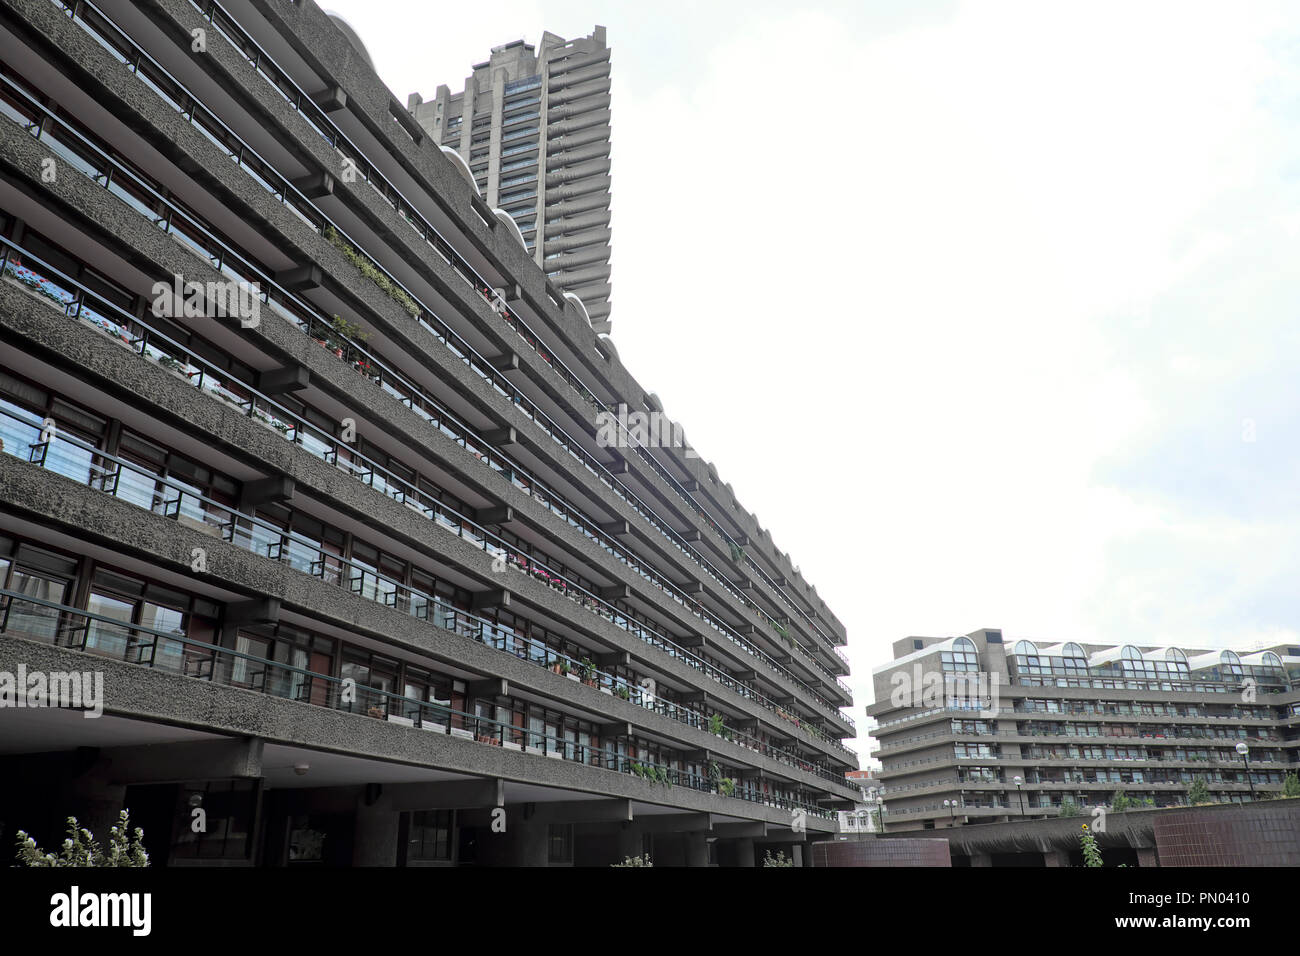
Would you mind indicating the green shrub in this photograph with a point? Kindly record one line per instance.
(80, 848)
(1291, 786)
(1091, 852)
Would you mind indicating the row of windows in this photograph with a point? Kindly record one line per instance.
(48, 575)
(515, 99)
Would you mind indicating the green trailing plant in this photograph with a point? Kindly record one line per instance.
(779, 860)
(727, 786)
(737, 553)
(1120, 801)
(587, 670)
(621, 691)
(80, 848)
(371, 272)
(1091, 852)
(1069, 808)
(1198, 792)
(629, 861)
(716, 725)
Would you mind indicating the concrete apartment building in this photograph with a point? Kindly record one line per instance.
(299, 463)
(532, 126)
(1007, 731)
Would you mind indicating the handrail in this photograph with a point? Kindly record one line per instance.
(223, 263)
(321, 122)
(477, 534)
(339, 692)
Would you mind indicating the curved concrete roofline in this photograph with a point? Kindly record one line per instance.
(506, 219)
(346, 29)
(459, 161)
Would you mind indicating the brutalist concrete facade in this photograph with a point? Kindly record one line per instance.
(332, 526)
(980, 729)
(532, 125)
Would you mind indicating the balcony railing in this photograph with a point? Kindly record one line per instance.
(74, 458)
(101, 167)
(79, 302)
(84, 154)
(157, 77)
(64, 626)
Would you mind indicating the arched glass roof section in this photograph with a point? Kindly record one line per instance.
(1174, 654)
(1072, 650)
(1025, 647)
(1130, 653)
(1229, 657)
(963, 644)
(459, 162)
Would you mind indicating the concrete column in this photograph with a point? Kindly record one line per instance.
(1147, 856)
(797, 852)
(981, 859)
(629, 842)
(745, 852)
(375, 843)
(531, 845)
(697, 849)
(1056, 858)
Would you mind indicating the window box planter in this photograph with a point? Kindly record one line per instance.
(404, 721)
(512, 746)
(461, 732)
(574, 677)
(606, 690)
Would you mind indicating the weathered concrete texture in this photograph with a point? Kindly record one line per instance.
(121, 372)
(286, 345)
(311, 33)
(144, 693)
(58, 501)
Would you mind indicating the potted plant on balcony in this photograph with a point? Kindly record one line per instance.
(587, 670)
(622, 692)
(340, 331)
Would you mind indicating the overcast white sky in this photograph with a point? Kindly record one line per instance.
(976, 305)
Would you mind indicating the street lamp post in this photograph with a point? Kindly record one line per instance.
(952, 811)
(1245, 759)
(875, 797)
(1019, 781)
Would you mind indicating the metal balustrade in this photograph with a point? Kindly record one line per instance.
(321, 122)
(108, 637)
(79, 302)
(78, 459)
(315, 325)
